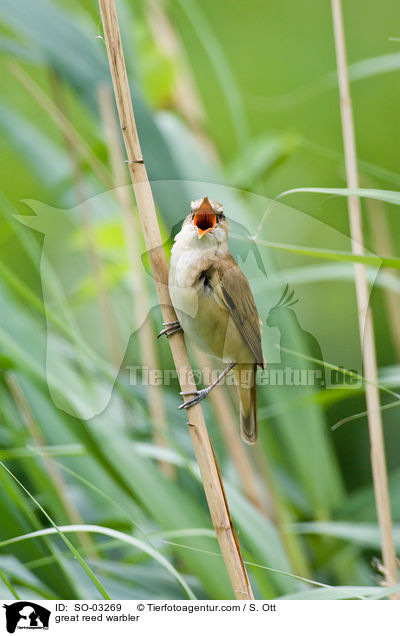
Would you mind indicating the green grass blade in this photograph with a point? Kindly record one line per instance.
(115, 534)
(67, 542)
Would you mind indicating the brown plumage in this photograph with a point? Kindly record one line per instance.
(215, 305)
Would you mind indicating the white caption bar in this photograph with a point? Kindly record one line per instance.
(191, 617)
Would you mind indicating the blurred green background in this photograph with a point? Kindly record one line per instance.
(242, 98)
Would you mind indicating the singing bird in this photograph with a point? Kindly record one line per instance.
(215, 306)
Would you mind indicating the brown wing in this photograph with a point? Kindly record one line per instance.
(232, 287)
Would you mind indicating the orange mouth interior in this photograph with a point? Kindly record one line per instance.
(205, 219)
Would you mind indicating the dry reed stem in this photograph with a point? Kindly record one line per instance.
(113, 339)
(212, 482)
(75, 139)
(378, 460)
(54, 473)
(184, 94)
(142, 306)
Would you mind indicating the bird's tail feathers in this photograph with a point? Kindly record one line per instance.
(248, 409)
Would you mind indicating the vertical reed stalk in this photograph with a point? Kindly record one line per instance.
(113, 340)
(378, 460)
(185, 94)
(141, 305)
(54, 473)
(210, 475)
(74, 138)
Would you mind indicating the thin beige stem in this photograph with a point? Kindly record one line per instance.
(282, 516)
(114, 344)
(378, 460)
(211, 478)
(77, 142)
(185, 95)
(141, 305)
(55, 476)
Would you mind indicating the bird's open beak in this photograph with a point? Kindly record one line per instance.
(205, 218)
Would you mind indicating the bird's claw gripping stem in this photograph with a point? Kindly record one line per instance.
(170, 328)
(199, 395)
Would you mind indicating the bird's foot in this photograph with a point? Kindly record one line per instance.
(199, 395)
(170, 328)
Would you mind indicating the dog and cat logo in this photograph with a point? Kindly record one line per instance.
(26, 615)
